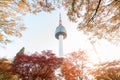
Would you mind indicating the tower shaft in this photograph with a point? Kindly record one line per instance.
(61, 45)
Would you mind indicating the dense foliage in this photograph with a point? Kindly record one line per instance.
(107, 71)
(98, 18)
(10, 22)
(74, 66)
(36, 66)
(5, 66)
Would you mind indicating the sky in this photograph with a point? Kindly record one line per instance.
(40, 35)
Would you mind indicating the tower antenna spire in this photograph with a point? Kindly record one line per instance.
(60, 21)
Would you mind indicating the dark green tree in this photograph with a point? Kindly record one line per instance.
(22, 50)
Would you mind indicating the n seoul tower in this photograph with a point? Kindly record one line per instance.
(60, 34)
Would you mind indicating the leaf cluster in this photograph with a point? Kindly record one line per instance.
(107, 70)
(74, 66)
(5, 66)
(97, 18)
(36, 66)
(10, 23)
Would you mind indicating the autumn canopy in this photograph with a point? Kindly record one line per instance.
(97, 18)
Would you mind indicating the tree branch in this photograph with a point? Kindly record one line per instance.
(96, 10)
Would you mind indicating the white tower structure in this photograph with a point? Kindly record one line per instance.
(60, 34)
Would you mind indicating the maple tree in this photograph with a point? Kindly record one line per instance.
(98, 18)
(5, 73)
(74, 66)
(107, 71)
(36, 66)
(10, 22)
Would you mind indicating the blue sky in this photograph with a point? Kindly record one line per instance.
(40, 35)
